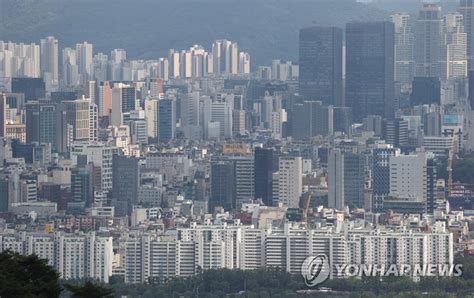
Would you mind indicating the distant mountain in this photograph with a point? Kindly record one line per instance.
(267, 29)
(412, 6)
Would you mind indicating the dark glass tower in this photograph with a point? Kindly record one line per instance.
(320, 60)
(381, 176)
(370, 69)
(263, 175)
(222, 185)
(125, 182)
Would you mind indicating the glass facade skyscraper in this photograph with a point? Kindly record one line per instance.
(370, 69)
(320, 60)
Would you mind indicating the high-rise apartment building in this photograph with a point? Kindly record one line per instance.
(84, 53)
(49, 60)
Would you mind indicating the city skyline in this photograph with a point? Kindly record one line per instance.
(208, 170)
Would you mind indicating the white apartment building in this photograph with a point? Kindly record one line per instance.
(187, 251)
(74, 256)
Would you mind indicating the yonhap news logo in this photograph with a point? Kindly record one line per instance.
(317, 269)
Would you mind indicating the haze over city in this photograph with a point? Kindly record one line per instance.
(226, 148)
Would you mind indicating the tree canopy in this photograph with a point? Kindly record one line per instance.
(27, 276)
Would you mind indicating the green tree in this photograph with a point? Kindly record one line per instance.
(89, 289)
(27, 276)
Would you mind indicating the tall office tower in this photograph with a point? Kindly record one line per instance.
(78, 116)
(118, 56)
(64, 133)
(263, 175)
(221, 111)
(166, 120)
(471, 89)
(3, 115)
(346, 179)
(428, 41)
(373, 123)
(125, 182)
(41, 125)
(290, 180)
(466, 8)
(354, 180)
(432, 124)
(190, 109)
(222, 185)
(4, 198)
(336, 179)
(404, 42)
(123, 100)
(104, 98)
(116, 114)
(174, 64)
(93, 121)
(381, 174)
(311, 119)
(49, 60)
(84, 53)
(342, 119)
(425, 90)
(408, 182)
(99, 155)
(81, 186)
(320, 60)
(90, 91)
(155, 87)
(244, 178)
(138, 127)
(454, 48)
(151, 115)
(395, 132)
(431, 182)
(216, 117)
(238, 122)
(370, 69)
(128, 97)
